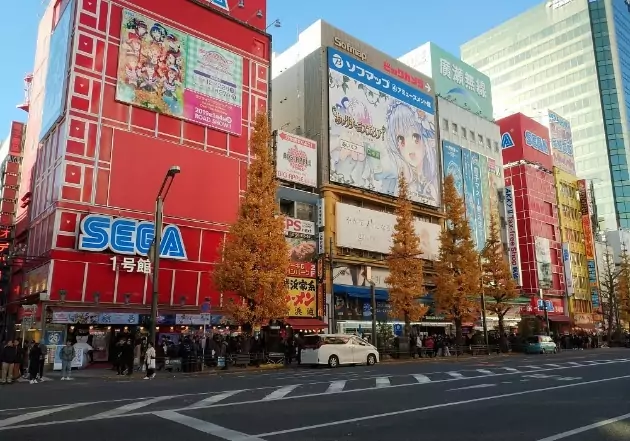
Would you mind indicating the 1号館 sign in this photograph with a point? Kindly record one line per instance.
(371, 230)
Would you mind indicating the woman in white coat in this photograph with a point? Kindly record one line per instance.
(149, 360)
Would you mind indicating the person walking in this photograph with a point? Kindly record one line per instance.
(149, 359)
(8, 358)
(34, 357)
(66, 354)
(42, 360)
(128, 351)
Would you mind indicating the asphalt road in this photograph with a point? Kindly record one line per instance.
(573, 396)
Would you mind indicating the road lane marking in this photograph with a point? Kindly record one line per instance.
(509, 369)
(531, 366)
(281, 393)
(336, 386)
(475, 386)
(130, 407)
(574, 363)
(32, 415)
(206, 427)
(257, 401)
(485, 372)
(583, 429)
(455, 374)
(214, 399)
(383, 382)
(552, 365)
(421, 378)
(434, 406)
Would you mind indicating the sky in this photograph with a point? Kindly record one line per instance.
(394, 27)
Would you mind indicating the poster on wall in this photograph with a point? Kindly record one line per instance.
(302, 240)
(469, 194)
(543, 263)
(379, 128)
(561, 142)
(56, 81)
(169, 72)
(480, 228)
(296, 159)
(452, 164)
(486, 195)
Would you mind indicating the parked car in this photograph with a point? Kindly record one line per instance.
(540, 344)
(337, 349)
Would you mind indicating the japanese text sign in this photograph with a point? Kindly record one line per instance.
(301, 297)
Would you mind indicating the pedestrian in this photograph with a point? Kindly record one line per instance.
(17, 367)
(34, 357)
(149, 358)
(8, 358)
(128, 351)
(42, 360)
(66, 353)
(118, 356)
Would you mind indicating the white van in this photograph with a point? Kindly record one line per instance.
(337, 349)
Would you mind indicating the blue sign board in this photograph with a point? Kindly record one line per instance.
(536, 142)
(398, 329)
(594, 298)
(355, 69)
(506, 141)
(128, 236)
(546, 305)
(592, 271)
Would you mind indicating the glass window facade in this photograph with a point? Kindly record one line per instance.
(562, 59)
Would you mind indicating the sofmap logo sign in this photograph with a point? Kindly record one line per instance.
(362, 72)
(128, 236)
(536, 142)
(350, 49)
(512, 230)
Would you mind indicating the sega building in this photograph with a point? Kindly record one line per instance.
(533, 231)
(121, 92)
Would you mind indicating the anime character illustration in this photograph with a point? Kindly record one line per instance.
(151, 65)
(375, 137)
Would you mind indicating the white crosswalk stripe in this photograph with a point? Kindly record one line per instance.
(455, 374)
(214, 399)
(336, 386)
(485, 371)
(509, 369)
(130, 407)
(33, 415)
(421, 378)
(281, 393)
(383, 382)
(574, 363)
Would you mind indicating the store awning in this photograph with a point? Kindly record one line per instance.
(361, 292)
(305, 323)
(559, 318)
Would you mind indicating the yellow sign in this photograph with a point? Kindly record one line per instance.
(301, 297)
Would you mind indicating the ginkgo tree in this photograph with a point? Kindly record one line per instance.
(498, 284)
(255, 254)
(405, 280)
(457, 278)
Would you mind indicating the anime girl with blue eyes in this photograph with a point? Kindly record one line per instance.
(410, 149)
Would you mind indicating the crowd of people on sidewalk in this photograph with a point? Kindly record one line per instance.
(22, 361)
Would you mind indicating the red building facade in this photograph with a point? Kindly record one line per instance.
(528, 176)
(116, 136)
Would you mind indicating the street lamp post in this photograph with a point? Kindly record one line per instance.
(157, 240)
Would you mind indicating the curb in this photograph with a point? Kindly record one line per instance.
(451, 359)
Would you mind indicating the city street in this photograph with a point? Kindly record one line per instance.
(577, 396)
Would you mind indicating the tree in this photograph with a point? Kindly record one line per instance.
(457, 279)
(497, 280)
(405, 278)
(255, 253)
(608, 286)
(622, 299)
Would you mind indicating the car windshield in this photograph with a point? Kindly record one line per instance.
(532, 340)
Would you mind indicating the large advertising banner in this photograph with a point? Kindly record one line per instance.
(512, 234)
(543, 262)
(478, 200)
(485, 192)
(301, 237)
(380, 128)
(561, 143)
(57, 71)
(566, 261)
(452, 165)
(170, 72)
(296, 159)
(301, 297)
(469, 193)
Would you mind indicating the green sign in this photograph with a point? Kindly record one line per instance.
(460, 83)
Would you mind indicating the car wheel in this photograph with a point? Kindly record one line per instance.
(542, 351)
(333, 361)
(371, 360)
(555, 350)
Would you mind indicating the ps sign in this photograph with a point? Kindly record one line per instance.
(128, 236)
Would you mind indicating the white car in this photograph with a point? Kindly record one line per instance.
(337, 349)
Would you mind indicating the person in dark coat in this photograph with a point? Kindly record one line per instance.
(34, 358)
(118, 357)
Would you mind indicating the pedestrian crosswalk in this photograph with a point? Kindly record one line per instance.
(16, 418)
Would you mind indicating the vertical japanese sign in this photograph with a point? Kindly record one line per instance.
(566, 261)
(543, 262)
(561, 143)
(301, 297)
(512, 233)
(586, 210)
(469, 192)
(301, 278)
(480, 228)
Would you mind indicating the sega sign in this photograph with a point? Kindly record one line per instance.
(128, 236)
(512, 233)
(536, 142)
